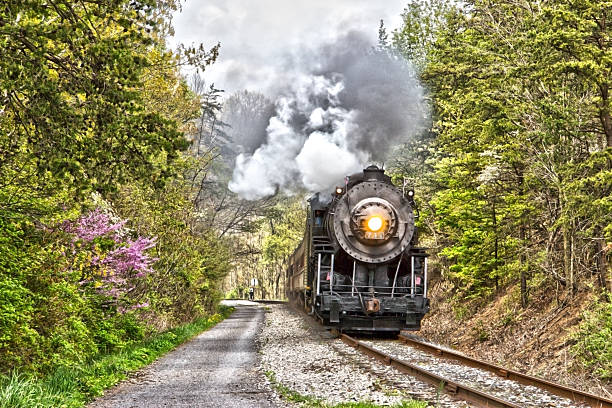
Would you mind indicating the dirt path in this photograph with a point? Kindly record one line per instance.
(215, 369)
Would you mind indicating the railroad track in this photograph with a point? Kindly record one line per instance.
(473, 395)
(557, 389)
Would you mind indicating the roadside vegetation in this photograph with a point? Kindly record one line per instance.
(108, 257)
(593, 346)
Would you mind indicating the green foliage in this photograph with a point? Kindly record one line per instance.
(404, 404)
(235, 293)
(289, 395)
(422, 21)
(280, 228)
(481, 332)
(462, 311)
(72, 386)
(49, 317)
(192, 261)
(92, 109)
(20, 391)
(80, 71)
(16, 315)
(517, 178)
(593, 347)
(286, 221)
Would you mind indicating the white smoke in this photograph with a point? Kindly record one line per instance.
(342, 106)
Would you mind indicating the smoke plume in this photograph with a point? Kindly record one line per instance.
(339, 107)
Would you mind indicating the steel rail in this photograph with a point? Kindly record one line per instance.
(553, 388)
(452, 388)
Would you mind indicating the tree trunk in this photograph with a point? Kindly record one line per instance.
(523, 266)
(566, 260)
(496, 248)
(604, 115)
(278, 276)
(523, 262)
(602, 264)
(606, 122)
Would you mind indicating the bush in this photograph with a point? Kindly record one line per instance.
(593, 346)
(234, 293)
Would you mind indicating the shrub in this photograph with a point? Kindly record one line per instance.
(593, 346)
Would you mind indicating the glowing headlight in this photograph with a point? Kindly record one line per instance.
(375, 223)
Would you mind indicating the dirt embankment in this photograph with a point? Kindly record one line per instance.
(535, 340)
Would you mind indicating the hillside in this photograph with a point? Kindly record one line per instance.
(539, 340)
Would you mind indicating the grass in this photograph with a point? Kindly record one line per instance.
(307, 401)
(72, 387)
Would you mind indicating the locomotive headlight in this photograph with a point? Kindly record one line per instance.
(375, 223)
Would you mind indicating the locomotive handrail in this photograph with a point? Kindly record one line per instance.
(396, 271)
(412, 275)
(331, 276)
(319, 275)
(425, 278)
(364, 289)
(353, 280)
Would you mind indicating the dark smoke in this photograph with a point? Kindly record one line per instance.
(381, 88)
(338, 107)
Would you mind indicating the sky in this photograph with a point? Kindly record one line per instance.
(257, 36)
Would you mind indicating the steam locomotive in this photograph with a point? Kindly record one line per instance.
(358, 268)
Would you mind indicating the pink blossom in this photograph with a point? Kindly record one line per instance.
(131, 257)
(123, 265)
(92, 225)
(140, 305)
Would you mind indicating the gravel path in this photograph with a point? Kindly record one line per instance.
(308, 360)
(218, 368)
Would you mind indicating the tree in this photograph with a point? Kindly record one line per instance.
(247, 114)
(72, 102)
(286, 222)
(92, 115)
(578, 32)
(521, 166)
(422, 20)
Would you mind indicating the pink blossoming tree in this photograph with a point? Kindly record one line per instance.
(118, 264)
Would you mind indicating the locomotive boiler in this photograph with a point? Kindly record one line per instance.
(359, 267)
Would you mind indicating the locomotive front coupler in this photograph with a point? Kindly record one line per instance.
(372, 306)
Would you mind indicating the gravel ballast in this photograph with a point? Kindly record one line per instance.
(306, 359)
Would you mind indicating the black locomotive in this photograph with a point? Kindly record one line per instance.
(358, 267)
